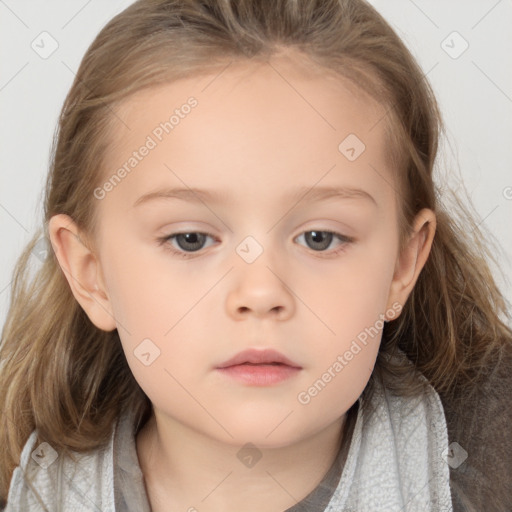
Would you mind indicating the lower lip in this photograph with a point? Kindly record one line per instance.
(260, 374)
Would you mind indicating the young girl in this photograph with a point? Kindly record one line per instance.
(254, 298)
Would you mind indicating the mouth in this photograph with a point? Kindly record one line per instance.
(259, 367)
(259, 357)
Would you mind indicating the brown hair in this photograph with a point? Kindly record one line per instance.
(70, 380)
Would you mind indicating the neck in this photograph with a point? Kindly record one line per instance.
(186, 470)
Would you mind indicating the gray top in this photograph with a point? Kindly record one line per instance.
(129, 491)
(395, 461)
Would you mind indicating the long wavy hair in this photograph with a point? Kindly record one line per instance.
(70, 380)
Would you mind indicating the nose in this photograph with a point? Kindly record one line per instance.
(257, 290)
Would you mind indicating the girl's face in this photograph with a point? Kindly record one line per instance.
(256, 152)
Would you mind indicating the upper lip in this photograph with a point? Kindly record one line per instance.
(266, 356)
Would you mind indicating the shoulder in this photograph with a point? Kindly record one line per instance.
(47, 480)
(478, 420)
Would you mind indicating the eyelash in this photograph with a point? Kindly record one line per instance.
(165, 241)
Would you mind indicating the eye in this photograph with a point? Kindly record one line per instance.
(188, 243)
(320, 240)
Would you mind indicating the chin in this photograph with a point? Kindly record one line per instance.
(265, 433)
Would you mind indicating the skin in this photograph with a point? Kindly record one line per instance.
(256, 138)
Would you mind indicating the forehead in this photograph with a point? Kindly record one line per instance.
(259, 123)
(290, 81)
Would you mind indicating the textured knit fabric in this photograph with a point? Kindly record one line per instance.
(394, 462)
(479, 420)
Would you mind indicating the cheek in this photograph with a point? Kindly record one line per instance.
(148, 295)
(353, 306)
(351, 292)
(158, 314)
(333, 391)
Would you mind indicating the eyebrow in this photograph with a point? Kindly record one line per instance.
(196, 195)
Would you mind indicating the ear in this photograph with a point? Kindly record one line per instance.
(414, 256)
(82, 270)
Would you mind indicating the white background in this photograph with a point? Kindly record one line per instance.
(474, 91)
